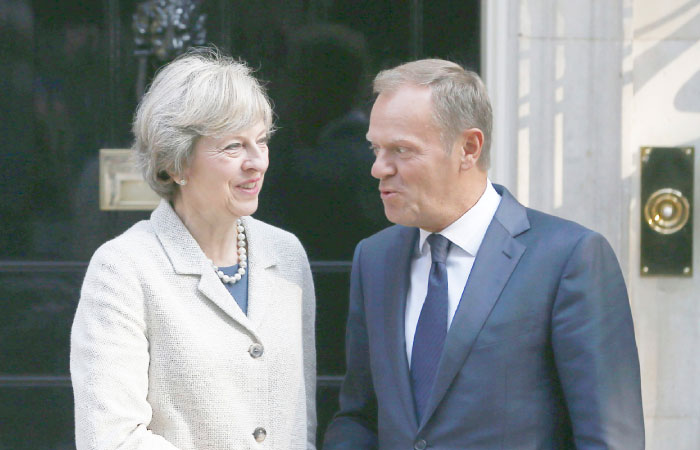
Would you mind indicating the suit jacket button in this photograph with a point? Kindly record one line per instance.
(256, 351)
(420, 444)
(259, 434)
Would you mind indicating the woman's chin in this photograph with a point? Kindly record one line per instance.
(247, 209)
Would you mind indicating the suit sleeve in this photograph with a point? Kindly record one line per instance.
(109, 360)
(355, 424)
(595, 350)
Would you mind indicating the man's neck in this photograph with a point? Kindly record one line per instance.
(472, 191)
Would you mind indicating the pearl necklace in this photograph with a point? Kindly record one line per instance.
(242, 258)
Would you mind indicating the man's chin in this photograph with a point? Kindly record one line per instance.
(396, 217)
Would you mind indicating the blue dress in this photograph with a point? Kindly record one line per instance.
(238, 290)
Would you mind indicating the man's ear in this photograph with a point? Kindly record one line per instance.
(471, 141)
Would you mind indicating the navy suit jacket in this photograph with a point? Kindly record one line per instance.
(541, 352)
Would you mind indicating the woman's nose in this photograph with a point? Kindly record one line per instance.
(257, 158)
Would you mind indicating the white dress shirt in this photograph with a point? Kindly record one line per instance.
(465, 234)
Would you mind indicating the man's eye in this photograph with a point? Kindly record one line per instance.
(401, 150)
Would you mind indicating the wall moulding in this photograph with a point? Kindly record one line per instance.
(122, 188)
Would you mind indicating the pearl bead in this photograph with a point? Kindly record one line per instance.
(242, 258)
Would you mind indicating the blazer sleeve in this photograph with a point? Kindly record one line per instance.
(595, 350)
(309, 343)
(354, 426)
(109, 359)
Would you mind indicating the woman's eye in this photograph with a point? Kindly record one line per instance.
(401, 150)
(233, 146)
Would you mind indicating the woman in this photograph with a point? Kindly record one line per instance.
(195, 329)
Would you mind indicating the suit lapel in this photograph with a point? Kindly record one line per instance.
(397, 263)
(496, 259)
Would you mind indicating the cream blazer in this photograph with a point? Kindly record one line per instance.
(161, 353)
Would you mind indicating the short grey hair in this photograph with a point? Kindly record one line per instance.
(201, 93)
(460, 100)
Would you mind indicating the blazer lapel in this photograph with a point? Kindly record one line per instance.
(397, 264)
(495, 261)
(211, 287)
(188, 258)
(261, 282)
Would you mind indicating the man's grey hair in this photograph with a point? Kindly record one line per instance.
(460, 100)
(201, 93)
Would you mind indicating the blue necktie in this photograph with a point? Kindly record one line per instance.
(432, 326)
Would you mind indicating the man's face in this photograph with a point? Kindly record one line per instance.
(417, 176)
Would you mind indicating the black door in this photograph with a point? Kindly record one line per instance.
(71, 74)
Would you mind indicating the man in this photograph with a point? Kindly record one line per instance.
(477, 323)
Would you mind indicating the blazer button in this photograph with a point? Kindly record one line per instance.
(256, 351)
(259, 434)
(420, 444)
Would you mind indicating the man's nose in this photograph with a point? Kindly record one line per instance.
(382, 166)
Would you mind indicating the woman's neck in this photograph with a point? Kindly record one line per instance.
(216, 235)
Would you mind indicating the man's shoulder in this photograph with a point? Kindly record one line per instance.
(388, 236)
(533, 227)
(545, 222)
(383, 242)
(556, 234)
(519, 219)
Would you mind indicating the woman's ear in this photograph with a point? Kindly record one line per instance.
(471, 142)
(180, 179)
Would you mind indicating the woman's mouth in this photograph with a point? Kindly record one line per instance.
(250, 187)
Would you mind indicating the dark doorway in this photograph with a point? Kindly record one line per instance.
(71, 77)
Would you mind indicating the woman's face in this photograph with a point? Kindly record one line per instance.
(226, 174)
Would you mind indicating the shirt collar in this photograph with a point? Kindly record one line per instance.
(468, 231)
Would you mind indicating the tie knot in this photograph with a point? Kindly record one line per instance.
(439, 245)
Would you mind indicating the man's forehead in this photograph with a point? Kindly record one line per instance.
(406, 92)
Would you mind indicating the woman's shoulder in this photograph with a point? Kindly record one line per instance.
(276, 240)
(268, 231)
(132, 243)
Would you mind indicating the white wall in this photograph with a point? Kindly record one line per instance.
(665, 111)
(577, 87)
